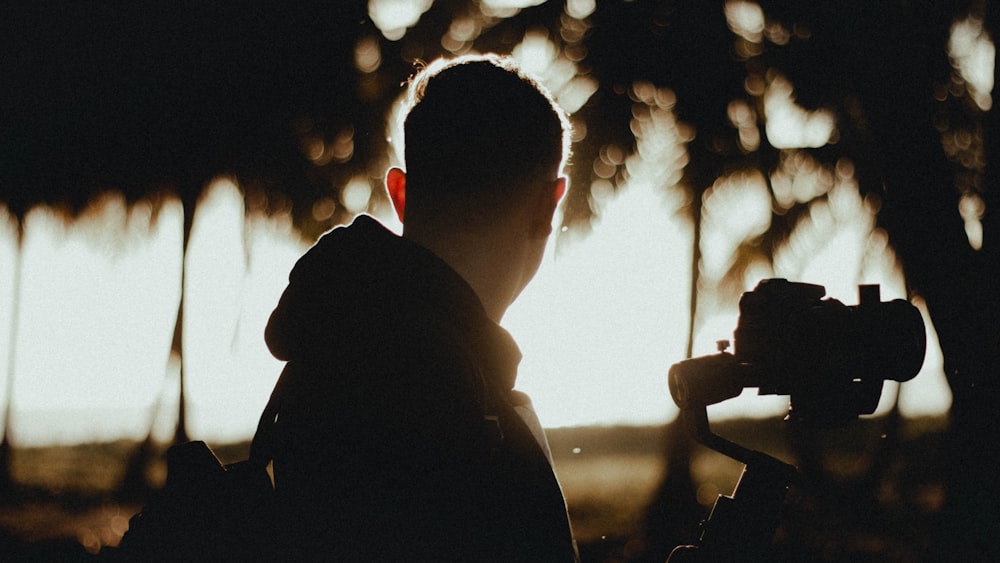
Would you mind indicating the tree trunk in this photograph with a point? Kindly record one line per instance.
(135, 484)
(7, 485)
(177, 347)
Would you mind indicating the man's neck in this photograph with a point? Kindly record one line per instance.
(492, 265)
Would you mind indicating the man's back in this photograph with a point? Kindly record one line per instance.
(398, 437)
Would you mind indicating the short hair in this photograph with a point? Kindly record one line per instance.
(479, 132)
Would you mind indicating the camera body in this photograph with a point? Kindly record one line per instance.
(831, 358)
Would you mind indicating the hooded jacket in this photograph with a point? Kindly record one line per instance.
(399, 436)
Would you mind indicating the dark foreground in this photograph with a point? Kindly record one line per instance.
(871, 493)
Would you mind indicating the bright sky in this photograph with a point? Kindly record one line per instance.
(599, 327)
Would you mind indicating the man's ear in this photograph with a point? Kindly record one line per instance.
(553, 193)
(560, 191)
(395, 182)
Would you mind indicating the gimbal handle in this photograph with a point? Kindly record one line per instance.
(740, 528)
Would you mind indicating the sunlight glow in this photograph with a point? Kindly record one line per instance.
(745, 19)
(97, 305)
(836, 245)
(831, 245)
(580, 9)
(536, 53)
(576, 93)
(539, 56)
(972, 208)
(504, 6)
(237, 268)
(393, 17)
(746, 191)
(356, 195)
(599, 324)
(928, 393)
(789, 125)
(8, 269)
(798, 179)
(974, 56)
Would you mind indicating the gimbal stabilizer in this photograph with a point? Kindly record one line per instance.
(831, 359)
(740, 527)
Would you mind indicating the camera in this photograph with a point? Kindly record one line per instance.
(831, 359)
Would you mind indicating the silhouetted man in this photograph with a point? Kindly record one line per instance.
(400, 436)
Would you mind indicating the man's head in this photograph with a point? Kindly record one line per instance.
(479, 137)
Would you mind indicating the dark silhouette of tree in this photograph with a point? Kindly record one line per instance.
(155, 101)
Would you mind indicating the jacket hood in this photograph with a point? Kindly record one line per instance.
(361, 283)
(346, 266)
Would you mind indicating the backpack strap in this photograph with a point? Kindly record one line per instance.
(262, 446)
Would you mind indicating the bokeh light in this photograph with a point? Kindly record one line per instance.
(788, 124)
(745, 19)
(974, 56)
(393, 17)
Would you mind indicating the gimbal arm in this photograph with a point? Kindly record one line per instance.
(740, 528)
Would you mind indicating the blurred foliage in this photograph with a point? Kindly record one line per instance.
(148, 99)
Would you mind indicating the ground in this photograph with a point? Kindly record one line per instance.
(871, 498)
